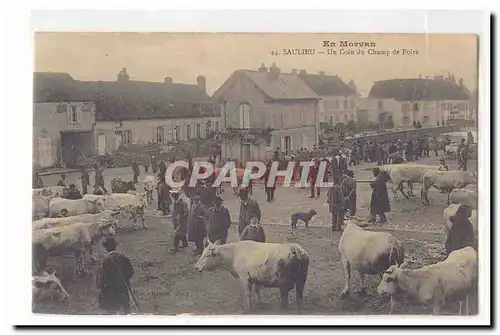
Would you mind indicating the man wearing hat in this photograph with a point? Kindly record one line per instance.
(113, 279)
(220, 221)
(379, 203)
(180, 218)
(198, 215)
(248, 208)
(73, 193)
(164, 201)
(349, 191)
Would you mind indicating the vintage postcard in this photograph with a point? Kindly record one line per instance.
(255, 173)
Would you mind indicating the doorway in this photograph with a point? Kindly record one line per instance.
(75, 145)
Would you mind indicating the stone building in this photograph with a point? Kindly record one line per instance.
(265, 109)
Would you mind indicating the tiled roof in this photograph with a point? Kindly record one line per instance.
(327, 84)
(284, 87)
(127, 100)
(418, 89)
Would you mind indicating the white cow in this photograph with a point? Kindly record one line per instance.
(47, 287)
(367, 252)
(445, 180)
(75, 207)
(464, 197)
(104, 216)
(410, 173)
(55, 191)
(283, 266)
(451, 150)
(41, 206)
(131, 204)
(149, 185)
(434, 284)
(75, 239)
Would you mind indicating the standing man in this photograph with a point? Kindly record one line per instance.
(462, 155)
(313, 176)
(339, 164)
(162, 169)
(135, 170)
(85, 178)
(180, 219)
(379, 203)
(164, 200)
(99, 179)
(113, 280)
(219, 223)
(409, 150)
(196, 224)
(62, 181)
(349, 192)
(248, 208)
(336, 201)
(269, 189)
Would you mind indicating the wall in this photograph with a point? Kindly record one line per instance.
(332, 111)
(372, 108)
(49, 121)
(287, 118)
(144, 131)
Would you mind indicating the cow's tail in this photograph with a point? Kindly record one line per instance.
(397, 254)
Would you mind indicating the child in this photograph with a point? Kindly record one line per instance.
(253, 231)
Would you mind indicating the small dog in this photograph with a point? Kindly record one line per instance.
(306, 217)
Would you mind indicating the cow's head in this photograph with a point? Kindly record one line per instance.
(210, 258)
(389, 282)
(48, 286)
(98, 205)
(106, 228)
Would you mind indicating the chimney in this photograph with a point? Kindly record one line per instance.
(294, 71)
(122, 75)
(274, 71)
(353, 86)
(302, 72)
(461, 83)
(321, 73)
(262, 68)
(168, 80)
(201, 81)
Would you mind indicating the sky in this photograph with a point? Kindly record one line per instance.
(184, 56)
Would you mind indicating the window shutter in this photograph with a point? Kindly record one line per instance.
(69, 111)
(78, 114)
(282, 145)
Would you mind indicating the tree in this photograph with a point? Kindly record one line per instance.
(351, 126)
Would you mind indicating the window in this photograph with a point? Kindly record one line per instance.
(346, 104)
(160, 135)
(176, 134)
(331, 120)
(74, 114)
(188, 132)
(426, 119)
(406, 121)
(337, 105)
(405, 107)
(345, 118)
(216, 127)
(127, 137)
(415, 107)
(207, 128)
(380, 104)
(198, 130)
(352, 104)
(244, 113)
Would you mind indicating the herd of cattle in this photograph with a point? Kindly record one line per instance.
(281, 265)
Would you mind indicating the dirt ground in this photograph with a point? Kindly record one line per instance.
(168, 284)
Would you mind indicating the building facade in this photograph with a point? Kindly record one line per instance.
(339, 101)
(265, 110)
(63, 121)
(400, 102)
(74, 119)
